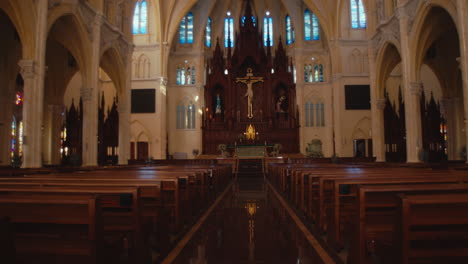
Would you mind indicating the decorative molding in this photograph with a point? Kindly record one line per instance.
(88, 15)
(86, 94)
(380, 103)
(28, 69)
(388, 32)
(163, 81)
(416, 88)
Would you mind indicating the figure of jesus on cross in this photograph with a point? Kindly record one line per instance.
(249, 80)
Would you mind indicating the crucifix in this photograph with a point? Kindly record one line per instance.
(249, 79)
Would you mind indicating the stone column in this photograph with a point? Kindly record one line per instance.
(90, 97)
(53, 120)
(124, 113)
(33, 71)
(413, 122)
(462, 8)
(161, 98)
(377, 117)
(378, 128)
(412, 94)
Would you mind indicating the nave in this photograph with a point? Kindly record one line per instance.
(250, 224)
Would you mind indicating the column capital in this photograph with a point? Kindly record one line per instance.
(163, 81)
(444, 105)
(28, 68)
(416, 88)
(380, 103)
(86, 94)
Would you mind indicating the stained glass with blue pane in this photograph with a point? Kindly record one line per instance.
(270, 28)
(316, 73)
(229, 32)
(307, 25)
(208, 33)
(288, 31)
(354, 14)
(143, 17)
(190, 28)
(268, 31)
(136, 18)
(315, 27)
(362, 15)
(182, 31)
(321, 73)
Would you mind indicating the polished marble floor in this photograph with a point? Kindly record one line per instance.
(249, 225)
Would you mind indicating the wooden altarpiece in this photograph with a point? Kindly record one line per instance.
(250, 66)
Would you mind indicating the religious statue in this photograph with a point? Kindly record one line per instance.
(279, 103)
(249, 80)
(218, 104)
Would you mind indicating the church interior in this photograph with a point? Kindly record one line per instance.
(234, 131)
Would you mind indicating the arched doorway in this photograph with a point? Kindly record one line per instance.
(441, 102)
(11, 86)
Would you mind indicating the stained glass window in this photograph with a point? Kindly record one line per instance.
(13, 137)
(229, 32)
(183, 31)
(268, 31)
(321, 73)
(186, 29)
(311, 26)
(19, 99)
(208, 33)
(290, 35)
(315, 27)
(307, 25)
(316, 73)
(193, 75)
(190, 28)
(140, 18)
(143, 17)
(358, 14)
(136, 19)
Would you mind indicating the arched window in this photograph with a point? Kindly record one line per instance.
(315, 28)
(321, 73)
(311, 26)
(208, 33)
(358, 14)
(193, 75)
(229, 31)
(290, 34)
(268, 31)
(309, 113)
(316, 73)
(179, 77)
(185, 75)
(186, 29)
(140, 17)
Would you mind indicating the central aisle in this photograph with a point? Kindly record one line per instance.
(249, 225)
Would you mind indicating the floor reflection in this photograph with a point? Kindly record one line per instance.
(248, 226)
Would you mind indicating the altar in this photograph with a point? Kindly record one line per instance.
(249, 151)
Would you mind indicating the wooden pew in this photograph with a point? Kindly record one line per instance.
(433, 229)
(373, 230)
(7, 242)
(120, 217)
(53, 228)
